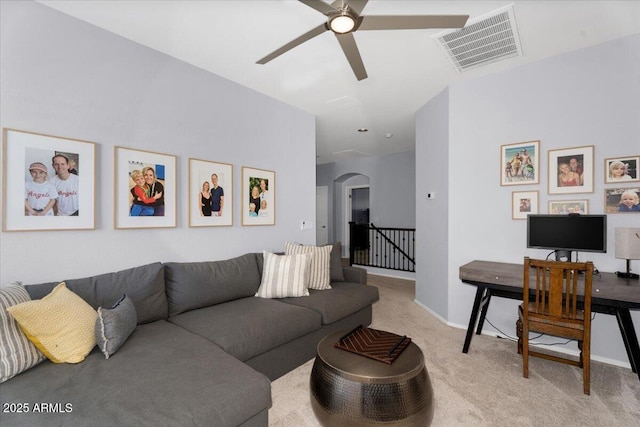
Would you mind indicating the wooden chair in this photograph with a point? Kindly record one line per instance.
(554, 310)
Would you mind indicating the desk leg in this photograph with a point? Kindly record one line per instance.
(474, 317)
(625, 322)
(483, 312)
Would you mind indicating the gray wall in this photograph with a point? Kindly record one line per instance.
(432, 214)
(392, 189)
(64, 77)
(588, 97)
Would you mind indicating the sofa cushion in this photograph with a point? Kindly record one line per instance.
(144, 285)
(61, 325)
(320, 276)
(17, 353)
(250, 326)
(114, 325)
(284, 276)
(192, 285)
(339, 302)
(163, 376)
(337, 270)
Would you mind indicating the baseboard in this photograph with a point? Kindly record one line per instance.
(559, 349)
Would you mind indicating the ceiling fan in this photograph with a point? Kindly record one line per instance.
(343, 18)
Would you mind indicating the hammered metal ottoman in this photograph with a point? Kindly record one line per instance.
(352, 390)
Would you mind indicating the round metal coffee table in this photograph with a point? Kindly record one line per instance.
(352, 390)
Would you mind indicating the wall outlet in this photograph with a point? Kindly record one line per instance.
(306, 225)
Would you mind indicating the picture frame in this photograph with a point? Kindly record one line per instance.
(49, 182)
(571, 170)
(622, 169)
(264, 195)
(217, 209)
(566, 207)
(520, 163)
(616, 200)
(524, 203)
(145, 189)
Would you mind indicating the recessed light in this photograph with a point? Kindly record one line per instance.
(363, 130)
(388, 135)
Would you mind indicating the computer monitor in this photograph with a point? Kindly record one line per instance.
(566, 233)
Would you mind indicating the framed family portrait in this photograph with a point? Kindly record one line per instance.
(210, 193)
(519, 163)
(524, 203)
(145, 189)
(621, 169)
(258, 197)
(49, 182)
(566, 207)
(622, 200)
(571, 170)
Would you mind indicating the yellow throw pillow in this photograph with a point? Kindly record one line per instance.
(61, 325)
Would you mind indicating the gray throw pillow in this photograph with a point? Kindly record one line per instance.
(114, 325)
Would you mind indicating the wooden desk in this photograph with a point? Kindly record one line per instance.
(611, 295)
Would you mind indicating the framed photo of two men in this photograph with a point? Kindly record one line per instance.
(210, 193)
(48, 182)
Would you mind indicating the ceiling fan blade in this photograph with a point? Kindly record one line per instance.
(355, 5)
(293, 43)
(319, 5)
(390, 22)
(350, 49)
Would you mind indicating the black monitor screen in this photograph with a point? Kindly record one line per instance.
(583, 233)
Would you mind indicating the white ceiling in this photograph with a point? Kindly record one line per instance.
(406, 68)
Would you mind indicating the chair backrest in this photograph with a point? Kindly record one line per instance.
(557, 287)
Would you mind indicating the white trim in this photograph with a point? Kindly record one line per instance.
(559, 349)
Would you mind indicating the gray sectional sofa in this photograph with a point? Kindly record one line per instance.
(203, 352)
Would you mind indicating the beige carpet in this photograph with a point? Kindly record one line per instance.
(484, 387)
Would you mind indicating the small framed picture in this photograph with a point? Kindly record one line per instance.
(210, 193)
(571, 170)
(519, 163)
(258, 196)
(566, 207)
(621, 169)
(145, 189)
(524, 203)
(622, 200)
(49, 182)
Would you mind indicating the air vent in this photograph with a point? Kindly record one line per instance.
(488, 39)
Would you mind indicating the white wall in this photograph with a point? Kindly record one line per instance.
(432, 215)
(64, 77)
(392, 188)
(588, 97)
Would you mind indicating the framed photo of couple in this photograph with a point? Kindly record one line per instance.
(258, 196)
(52, 182)
(145, 189)
(210, 193)
(571, 170)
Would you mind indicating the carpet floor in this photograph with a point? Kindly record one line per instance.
(484, 387)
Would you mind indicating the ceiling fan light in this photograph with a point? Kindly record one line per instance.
(342, 23)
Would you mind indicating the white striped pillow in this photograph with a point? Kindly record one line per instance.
(17, 353)
(320, 276)
(284, 276)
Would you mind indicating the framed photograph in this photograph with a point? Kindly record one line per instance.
(566, 207)
(524, 203)
(210, 193)
(49, 182)
(622, 200)
(621, 169)
(571, 170)
(145, 189)
(519, 163)
(258, 196)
